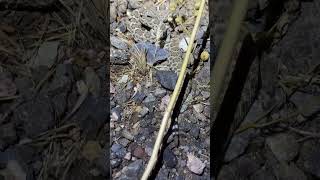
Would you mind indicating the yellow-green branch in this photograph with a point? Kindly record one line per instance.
(166, 121)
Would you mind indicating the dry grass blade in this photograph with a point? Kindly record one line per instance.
(173, 99)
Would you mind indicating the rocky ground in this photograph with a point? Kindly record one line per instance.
(139, 97)
(279, 138)
(52, 67)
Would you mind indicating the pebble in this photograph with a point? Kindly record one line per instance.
(139, 152)
(195, 132)
(164, 103)
(124, 79)
(119, 56)
(122, 27)
(113, 12)
(112, 89)
(115, 114)
(307, 104)
(115, 163)
(237, 145)
(167, 79)
(284, 146)
(128, 156)
(8, 133)
(118, 43)
(124, 142)
(139, 97)
(169, 158)
(133, 169)
(149, 99)
(198, 108)
(194, 164)
(289, 172)
(144, 111)
(126, 134)
(310, 158)
(119, 150)
(148, 150)
(159, 92)
(183, 44)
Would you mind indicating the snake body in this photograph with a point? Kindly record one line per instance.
(155, 20)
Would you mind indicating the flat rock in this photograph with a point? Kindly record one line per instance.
(284, 146)
(167, 79)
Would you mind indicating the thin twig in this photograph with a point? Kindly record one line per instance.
(167, 116)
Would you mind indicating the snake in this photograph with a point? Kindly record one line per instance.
(155, 19)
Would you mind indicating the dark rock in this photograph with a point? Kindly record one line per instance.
(122, 97)
(263, 174)
(119, 56)
(169, 158)
(134, 169)
(119, 150)
(115, 163)
(289, 172)
(310, 158)
(167, 79)
(8, 134)
(284, 146)
(195, 131)
(160, 92)
(116, 113)
(149, 99)
(139, 152)
(237, 145)
(90, 122)
(307, 104)
(139, 97)
(118, 43)
(36, 115)
(122, 27)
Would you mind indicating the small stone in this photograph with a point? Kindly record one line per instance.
(167, 79)
(144, 111)
(183, 44)
(118, 43)
(205, 94)
(160, 92)
(115, 114)
(198, 108)
(115, 163)
(133, 169)
(169, 158)
(124, 79)
(307, 104)
(122, 27)
(284, 146)
(148, 150)
(139, 152)
(284, 171)
(195, 165)
(124, 142)
(237, 145)
(119, 56)
(149, 99)
(128, 156)
(310, 158)
(195, 132)
(164, 102)
(112, 89)
(8, 133)
(139, 97)
(119, 150)
(126, 134)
